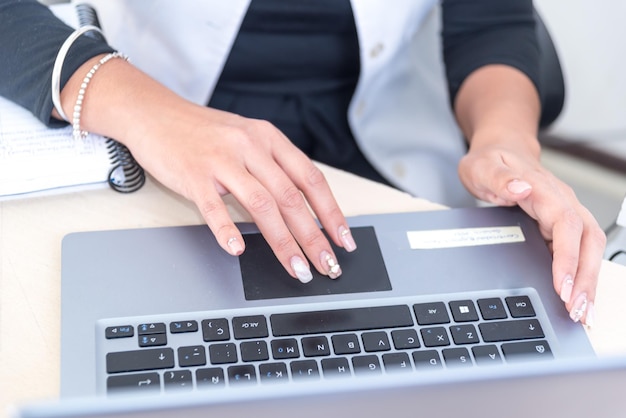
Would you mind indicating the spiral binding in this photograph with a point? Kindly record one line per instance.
(126, 175)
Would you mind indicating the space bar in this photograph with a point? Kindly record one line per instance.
(339, 320)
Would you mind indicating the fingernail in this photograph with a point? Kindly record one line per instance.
(330, 264)
(346, 239)
(591, 315)
(235, 246)
(518, 186)
(301, 270)
(579, 308)
(566, 288)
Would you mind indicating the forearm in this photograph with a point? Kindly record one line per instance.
(124, 103)
(498, 104)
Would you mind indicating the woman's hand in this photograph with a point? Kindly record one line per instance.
(203, 154)
(498, 110)
(508, 176)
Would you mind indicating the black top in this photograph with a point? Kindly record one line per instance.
(304, 94)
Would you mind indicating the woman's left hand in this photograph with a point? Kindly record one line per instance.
(506, 173)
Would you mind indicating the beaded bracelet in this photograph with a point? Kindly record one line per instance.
(58, 66)
(77, 133)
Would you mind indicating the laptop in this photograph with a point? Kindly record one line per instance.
(554, 389)
(166, 313)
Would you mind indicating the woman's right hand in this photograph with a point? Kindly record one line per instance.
(203, 154)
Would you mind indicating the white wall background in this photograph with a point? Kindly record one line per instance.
(590, 37)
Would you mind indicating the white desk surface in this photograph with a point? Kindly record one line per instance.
(31, 229)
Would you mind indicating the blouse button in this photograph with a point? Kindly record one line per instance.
(376, 50)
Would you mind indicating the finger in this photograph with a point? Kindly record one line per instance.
(215, 214)
(567, 233)
(581, 304)
(297, 216)
(263, 209)
(312, 182)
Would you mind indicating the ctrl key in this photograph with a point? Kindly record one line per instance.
(134, 383)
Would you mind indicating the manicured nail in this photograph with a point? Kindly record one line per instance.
(346, 239)
(518, 186)
(330, 264)
(235, 246)
(579, 308)
(300, 269)
(566, 288)
(591, 315)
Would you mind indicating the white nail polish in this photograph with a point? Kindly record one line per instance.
(332, 267)
(346, 239)
(566, 288)
(301, 270)
(235, 246)
(579, 308)
(591, 315)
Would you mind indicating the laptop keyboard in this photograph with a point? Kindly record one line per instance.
(257, 346)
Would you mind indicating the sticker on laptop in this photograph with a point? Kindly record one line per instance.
(464, 237)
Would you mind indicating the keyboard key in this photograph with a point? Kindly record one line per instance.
(245, 327)
(285, 348)
(397, 362)
(191, 356)
(315, 346)
(366, 365)
(486, 355)
(521, 329)
(254, 351)
(304, 369)
(177, 380)
(457, 357)
(520, 306)
(427, 359)
(138, 360)
(223, 353)
(241, 375)
(463, 310)
(431, 313)
(375, 341)
(336, 367)
(341, 320)
(152, 328)
(527, 350)
(152, 340)
(464, 334)
(435, 337)
(273, 373)
(142, 382)
(123, 331)
(179, 327)
(404, 339)
(210, 378)
(215, 330)
(492, 308)
(346, 344)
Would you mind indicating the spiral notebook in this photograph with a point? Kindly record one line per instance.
(35, 158)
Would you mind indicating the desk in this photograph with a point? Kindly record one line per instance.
(31, 230)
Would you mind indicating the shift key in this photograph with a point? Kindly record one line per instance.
(133, 361)
(510, 330)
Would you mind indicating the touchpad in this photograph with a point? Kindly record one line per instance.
(363, 270)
